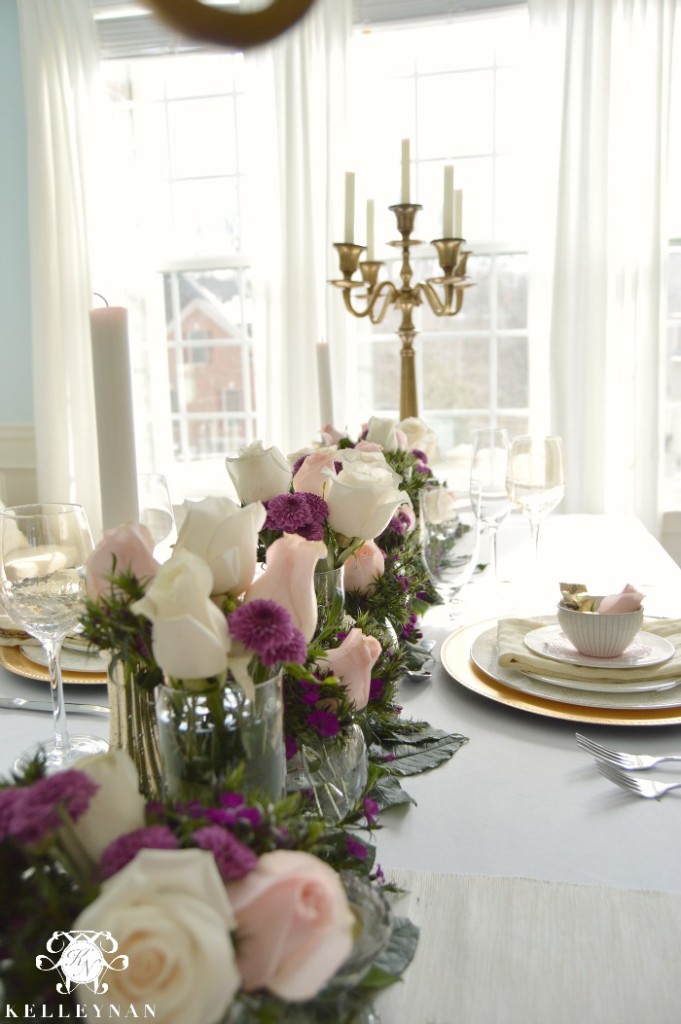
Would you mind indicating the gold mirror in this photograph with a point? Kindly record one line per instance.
(237, 31)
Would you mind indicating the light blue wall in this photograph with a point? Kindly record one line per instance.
(16, 388)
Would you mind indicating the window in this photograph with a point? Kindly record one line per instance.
(179, 122)
(456, 89)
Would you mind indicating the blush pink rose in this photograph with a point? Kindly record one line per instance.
(294, 924)
(363, 568)
(352, 663)
(125, 548)
(310, 477)
(368, 446)
(289, 579)
(330, 435)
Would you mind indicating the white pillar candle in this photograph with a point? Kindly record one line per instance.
(349, 206)
(458, 213)
(324, 384)
(448, 203)
(406, 168)
(114, 414)
(370, 229)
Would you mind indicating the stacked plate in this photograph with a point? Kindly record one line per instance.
(546, 674)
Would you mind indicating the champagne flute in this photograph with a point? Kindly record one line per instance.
(489, 496)
(535, 479)
(43, 550)
(156, 512)
(449, 542)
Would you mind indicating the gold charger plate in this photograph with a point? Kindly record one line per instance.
(457, 648)
(14, 660)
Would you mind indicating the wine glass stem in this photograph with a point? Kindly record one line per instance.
(534, 527)
(494, 550)
(52, 649)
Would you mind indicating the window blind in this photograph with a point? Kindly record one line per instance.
(130, 29)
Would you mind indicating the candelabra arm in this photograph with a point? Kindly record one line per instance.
(453, 294)
(385, 290)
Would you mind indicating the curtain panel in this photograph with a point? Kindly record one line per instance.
(603, 77)
(59, 58)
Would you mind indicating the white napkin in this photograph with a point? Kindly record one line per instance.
(513, 653)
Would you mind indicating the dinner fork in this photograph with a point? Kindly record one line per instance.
(641, 787)
(635, 762)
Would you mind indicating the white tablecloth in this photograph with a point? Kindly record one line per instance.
(520, 806)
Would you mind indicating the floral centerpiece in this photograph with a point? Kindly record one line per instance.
(192, 913)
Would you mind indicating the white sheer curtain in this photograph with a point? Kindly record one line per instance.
(296, 89)
(603, 90)
(59, 57)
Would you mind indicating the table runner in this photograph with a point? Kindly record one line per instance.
(496, 950)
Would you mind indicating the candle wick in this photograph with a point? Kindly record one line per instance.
(100, 296)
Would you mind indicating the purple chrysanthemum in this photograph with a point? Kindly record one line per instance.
(123, 849)
(309, 691)
(323, 722)
(297, 464)
(376, 688)
(291, 746)
(420, 468)
(266, 628)
(409, 627)
(371, 810)
(419, 454)
(233, 858)
(32, 812)
(396, 525)
(302, 513)
(356, 849)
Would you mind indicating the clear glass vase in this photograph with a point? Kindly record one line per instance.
(206, 736)
(330, 590)
(133, 727)
(334, 775)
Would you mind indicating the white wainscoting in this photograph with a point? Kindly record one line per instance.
(18, 483)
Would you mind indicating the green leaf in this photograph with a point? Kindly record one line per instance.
(411, 759)
(389, 793)
(394, 959)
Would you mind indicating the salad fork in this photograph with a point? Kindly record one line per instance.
(620, 758)
(641, 787)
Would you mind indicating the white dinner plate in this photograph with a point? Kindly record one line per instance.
(646, 649)
(71, 661)
(485, 656)
(607, 685)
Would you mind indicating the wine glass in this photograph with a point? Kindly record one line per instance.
(156, 512)
(535, 479)
(43, 550)
(449, 542)
(489, 496)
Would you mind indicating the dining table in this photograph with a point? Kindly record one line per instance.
(544, 893)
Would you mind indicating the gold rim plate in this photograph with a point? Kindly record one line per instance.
(14, 660)
(456, 660)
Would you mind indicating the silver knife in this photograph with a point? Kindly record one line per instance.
(22, 704)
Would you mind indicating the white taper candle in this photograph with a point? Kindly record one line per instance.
(114, 414)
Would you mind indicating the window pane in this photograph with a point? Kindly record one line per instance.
(513, 373)
(512, 291)
(202, 137)
(469, 95)
(206, 216)
(455, 373)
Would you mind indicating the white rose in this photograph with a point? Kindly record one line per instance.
(190, 639)
(384, 431)
(437, 505)
(170, 915)
(225, 536)
(259, 473)
(363, 499)
(420, 436)
(351, 456)
(116, 808)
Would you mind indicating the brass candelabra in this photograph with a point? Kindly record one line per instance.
(378, 296)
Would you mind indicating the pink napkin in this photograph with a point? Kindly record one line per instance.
(628, 600)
